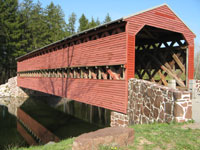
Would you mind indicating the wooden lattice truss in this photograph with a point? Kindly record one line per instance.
(115, 72)
(160, 62)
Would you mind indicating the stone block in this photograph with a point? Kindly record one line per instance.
(184, 104)
(189, 113)
(107, 136)
(178, 110)
(161, 115)
(170, 94)
(158, 93)
(157, 101)
(155, 113)
(177, 95)
(149, 92)
(146, 111)
(168, 108)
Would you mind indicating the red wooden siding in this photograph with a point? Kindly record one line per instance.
(130, 55)
(109, 50)
(163, 17)
(109, 94)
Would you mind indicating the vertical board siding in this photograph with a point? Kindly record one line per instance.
(163, 17)
(130, 56)
(109, 50)
(108, 94)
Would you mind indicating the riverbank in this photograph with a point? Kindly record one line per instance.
(10, 89)
(147, 137)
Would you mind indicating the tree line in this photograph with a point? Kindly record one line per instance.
(27, 26)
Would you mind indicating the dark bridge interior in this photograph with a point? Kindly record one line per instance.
(161, 56)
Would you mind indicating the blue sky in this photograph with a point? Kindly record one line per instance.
(187, 10)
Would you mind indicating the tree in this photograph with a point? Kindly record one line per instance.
(92, 23)
(107, 18)
(55, 22)
(38, 27)
(98, 22)
(25, 11)
(83, 23)
(9, 35)
(71, 23)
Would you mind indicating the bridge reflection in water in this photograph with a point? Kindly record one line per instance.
(39, 123)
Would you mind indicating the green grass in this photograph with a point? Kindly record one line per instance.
(63, 145)
(162, 137)
(147, 137)
(165, 137)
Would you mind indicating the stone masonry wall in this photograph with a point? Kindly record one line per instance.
(149, 102)
(182, 107)
(119, 119)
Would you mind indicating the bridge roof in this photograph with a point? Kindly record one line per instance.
(98, 27)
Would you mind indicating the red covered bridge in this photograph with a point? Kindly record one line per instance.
(94, 66)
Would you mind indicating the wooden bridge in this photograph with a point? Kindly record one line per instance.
(94, 66)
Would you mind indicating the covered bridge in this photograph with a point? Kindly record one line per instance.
(94, 66)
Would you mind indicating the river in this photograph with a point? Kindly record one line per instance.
(54, 117)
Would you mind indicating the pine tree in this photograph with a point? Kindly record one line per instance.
(97, 22)
(38, 27)
(55, 22)
(83, 23)
(71, 24)
(92, 23)
(25, 10)
(9, 35)
(107, 18)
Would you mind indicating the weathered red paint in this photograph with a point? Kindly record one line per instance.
(109, 50)
(103, 93)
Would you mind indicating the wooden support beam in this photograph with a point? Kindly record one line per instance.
(99, 73)
(112, 74)
(90, 73)
(81, 70)
(179, 81)
(104, 74)
(93, 73)
(163, 78)
(85, 73)
(178, 61)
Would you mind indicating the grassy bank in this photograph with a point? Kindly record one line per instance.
(63, 145)
(147, 137)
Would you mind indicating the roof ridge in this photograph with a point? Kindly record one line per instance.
(164, 4)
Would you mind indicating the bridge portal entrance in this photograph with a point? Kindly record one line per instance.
(160, 56)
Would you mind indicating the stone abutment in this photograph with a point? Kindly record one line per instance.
(149, 102)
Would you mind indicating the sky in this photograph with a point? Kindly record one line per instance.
(187, 10)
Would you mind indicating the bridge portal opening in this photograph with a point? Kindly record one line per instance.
(161, 55)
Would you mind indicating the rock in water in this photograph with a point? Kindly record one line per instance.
(117, 136)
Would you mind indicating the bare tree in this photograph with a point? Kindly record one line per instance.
(197, 63)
